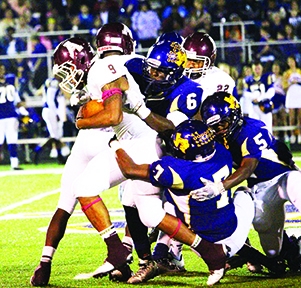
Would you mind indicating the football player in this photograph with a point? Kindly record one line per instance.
(220, 219)
(171, 95)
(201, 55)
(73, 59)
(268, 167)
(257, 94)
(53, 113)
(9, 124)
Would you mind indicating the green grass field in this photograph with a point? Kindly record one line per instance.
(28, 200)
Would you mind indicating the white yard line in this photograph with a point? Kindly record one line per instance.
(29, 172)
(28, 201)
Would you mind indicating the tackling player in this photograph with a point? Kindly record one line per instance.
(268, 167)
(172, 95)
(221, 219)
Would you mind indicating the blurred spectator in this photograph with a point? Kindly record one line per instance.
(246, 71)
(21, 7)
(264, 52)
(11, 46)
(128, 7)
(62, 22)
(108, 13)
(53, 40)
(38, 14)
(76, 24)
(22, 25)
(7, 21)
(280, 117)
(85, 16)
(175, 5)
(210, 29)
(24, 78)
(294, 17)
(39, 64)
(292, 86)
(292, 48)
(3, 7)
(237, 28)
(196, 18)
(174, 22)
(147, 24)
(233, 55)
(128, 22)
(271, 7)
(277, 23)
(281, 50)
(250, 10)
(219, 11)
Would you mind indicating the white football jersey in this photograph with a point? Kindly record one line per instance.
(109, 69)
(215, 80)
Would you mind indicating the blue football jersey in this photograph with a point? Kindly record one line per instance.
(262, 84)
(185, 96)
(9, 97)
(212, 219)
(254, 140)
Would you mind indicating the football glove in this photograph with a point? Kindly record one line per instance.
(134, 102)
(79, 97)
(210, 190)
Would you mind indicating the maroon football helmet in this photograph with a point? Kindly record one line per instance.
(199, 46)
(114, 37)
(72, 61)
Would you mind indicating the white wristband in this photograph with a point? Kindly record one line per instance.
(115, 145)
(143, 112)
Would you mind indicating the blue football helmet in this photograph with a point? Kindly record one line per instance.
(191, 140)
(222, 112)
(163, 66)
(266, 105)
(171, 36)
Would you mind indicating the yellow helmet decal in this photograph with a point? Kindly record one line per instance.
(233, 103)
(181, 143)
(177, 54)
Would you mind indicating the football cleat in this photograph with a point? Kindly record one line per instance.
(121, 274)
(148, 269)
(215, 276)
(41, 275)
(165, 265)
(293, 256)
(254, 267)
(235, 262)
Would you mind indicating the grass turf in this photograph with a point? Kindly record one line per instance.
(26, 206)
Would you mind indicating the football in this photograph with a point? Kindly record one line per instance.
(90, 108)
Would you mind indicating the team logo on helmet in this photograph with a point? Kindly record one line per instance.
(199, 139)
(233, 103)
(181, 143)
(177, 55)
